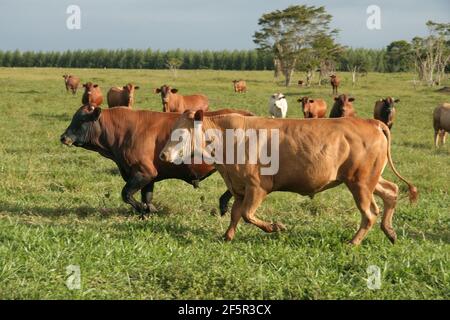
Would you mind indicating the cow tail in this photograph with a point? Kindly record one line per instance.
(413, 192)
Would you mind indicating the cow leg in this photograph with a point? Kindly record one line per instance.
(252, 199)
(436, 138)
(365, 203)
(443, 136)
(388, 192)
(131, 187)
(223, 202)
(147, 197)
(236, 214)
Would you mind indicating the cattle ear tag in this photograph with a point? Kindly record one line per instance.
(91, 108)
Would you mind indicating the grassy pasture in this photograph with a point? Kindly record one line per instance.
(61, 206)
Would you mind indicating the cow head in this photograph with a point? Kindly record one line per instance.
(305, 101)
(277, 100)
(165, 91)
(81, 129)
(184, 133)
(66, 77)
(129, 92)
(389, 102)
(344, 102)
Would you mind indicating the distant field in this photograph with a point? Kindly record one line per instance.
(61, 206)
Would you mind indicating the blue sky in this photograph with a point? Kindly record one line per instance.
(196, 24)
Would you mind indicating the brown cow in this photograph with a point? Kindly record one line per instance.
(71, 83)
(384, 111)
(343, 107)
(316, 108)
(352, 151)
(335, 82)
(92, 95)
(441, 123)
(174, 102)
(300, 83)
(121, 97)
(133, 140)
(240, 86)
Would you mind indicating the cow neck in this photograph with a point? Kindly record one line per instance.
(101, 135)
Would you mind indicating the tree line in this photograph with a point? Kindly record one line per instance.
(374, 60)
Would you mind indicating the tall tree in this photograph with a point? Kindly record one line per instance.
(287, 33)
(399, 56)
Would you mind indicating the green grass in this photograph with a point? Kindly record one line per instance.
(61, 206)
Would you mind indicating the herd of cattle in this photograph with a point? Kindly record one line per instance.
(315, 154)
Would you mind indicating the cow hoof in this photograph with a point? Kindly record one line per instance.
(151, 209)
(277, 227)
(196, 184)
(223, 210)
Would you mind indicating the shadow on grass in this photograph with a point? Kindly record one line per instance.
(81, 212)
(415, 145)
(44, 116)
(429, 236)
(30, 92)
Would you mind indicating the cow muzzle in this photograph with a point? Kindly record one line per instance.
(66, 140)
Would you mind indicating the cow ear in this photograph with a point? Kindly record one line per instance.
(95, 85)
(198, 115)
(157, 90)
(299, 100)
(336, 98)
(136, 88)
(311, 101)
(351, 99)
(174, 90)
(84, 85)
(397, 100)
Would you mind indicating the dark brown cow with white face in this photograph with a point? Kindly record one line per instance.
(121, 97)
(343, 107)
(71, 83)
(384, 111)
(335, 82)
(174, 102)
(133, 140)
(92, 95)
(313, 108)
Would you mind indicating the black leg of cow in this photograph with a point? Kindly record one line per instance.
(132, 186)
(147, 197)
(223, 202)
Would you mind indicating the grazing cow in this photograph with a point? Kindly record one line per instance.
(121, 97)
(92, 95)
(240, 86)
(133, 140)
(300, 83)
(343, 107)
(441, 123)
(316, 108)
(71, 83)
(385, 111)
(313, 156)
(335, 82)
(174, 102)
(278, 105)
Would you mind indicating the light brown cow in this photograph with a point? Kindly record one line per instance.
(343, 107)
(313, 108)
(121, 97)
(384, 111)
(441, 123)
(92, 95)
(240, 86)
(352, 151)
(72, 83)
(335, 82)
(174, 102)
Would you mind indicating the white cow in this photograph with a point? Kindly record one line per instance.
(278, 105)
